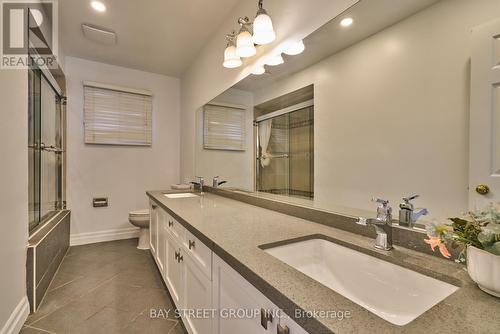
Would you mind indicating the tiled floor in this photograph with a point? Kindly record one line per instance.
(109, 287)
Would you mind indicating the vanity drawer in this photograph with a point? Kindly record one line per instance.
(176, 230)
(199, 252)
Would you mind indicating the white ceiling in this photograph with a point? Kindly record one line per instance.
(160, 36)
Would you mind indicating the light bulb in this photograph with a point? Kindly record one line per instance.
(98, 6)
(231, 60)
(294, 48)
(258, 70)
(346, 22)
(244, 44)
(263, 31)
(275, 60)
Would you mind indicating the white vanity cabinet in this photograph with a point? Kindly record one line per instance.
(197, 298)
(161, 221)
(232, 292)
(211, 296)
(185, 264)
(173, 271)
(153, 227)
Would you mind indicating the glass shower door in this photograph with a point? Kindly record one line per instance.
(45, 149)
(273, 161)
(50, 149)
(285, 161)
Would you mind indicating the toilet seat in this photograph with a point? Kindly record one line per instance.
(139, 213)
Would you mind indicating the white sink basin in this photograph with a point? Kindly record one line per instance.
(181, 195)
(394, 293)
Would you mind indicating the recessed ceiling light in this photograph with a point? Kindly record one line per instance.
(98, 6)
(346, 22)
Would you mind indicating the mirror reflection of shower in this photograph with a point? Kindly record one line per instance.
(285, 145)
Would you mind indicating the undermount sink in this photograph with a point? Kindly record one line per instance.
(181, 195)
(394, 293)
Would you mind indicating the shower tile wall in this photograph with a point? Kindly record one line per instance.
(301, 153)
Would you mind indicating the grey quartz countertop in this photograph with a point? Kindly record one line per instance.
(234, 231)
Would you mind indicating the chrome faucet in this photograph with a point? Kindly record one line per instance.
(382, 224)
(407, 216)
(216, 183)
(200, 183)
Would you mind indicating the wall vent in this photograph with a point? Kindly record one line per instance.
(99, 35)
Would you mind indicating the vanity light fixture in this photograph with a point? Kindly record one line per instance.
(244, 42)
(231, 59)
(294, 48)
(275, 60)
(263, 31)
(258, 70)
(346, 22)
(98, 6)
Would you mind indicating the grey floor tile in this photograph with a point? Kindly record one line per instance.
(30, 330)
(105, 288)
(62, 279)
(106, 321)
(145, 325)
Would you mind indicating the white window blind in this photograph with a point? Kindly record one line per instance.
(223, 128)
(117, 116)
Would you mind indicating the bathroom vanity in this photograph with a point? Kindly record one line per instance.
(225, 267)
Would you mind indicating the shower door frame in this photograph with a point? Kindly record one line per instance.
(60, 134)
(273, 114)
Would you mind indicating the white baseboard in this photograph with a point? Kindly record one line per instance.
(101, 236)
(17, 318)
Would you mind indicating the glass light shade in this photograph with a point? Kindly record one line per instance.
(263, 31)
(346, 22)
(258, 70)
(231, 60)
(275, 60)
(294, 48)
(244, 44)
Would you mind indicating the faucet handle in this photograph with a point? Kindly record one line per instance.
(410, 198)
(384, 202)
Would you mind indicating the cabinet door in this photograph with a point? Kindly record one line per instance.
(161, 250)
(233, 294)
(173, 273)
(153, 227)
(199, 253)
(196, 297)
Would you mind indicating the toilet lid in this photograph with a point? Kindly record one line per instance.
(139, 213)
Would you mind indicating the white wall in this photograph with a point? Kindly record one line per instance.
(13, 190)
(391, 112)
(206, 78)
(233, 166)
(121, 173)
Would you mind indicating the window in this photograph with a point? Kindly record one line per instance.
(224, 127)
(116, 115)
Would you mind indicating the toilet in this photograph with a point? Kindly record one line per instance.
(140, 219)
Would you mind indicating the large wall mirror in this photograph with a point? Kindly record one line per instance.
(383, 107)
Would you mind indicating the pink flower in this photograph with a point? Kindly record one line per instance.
(437, 242)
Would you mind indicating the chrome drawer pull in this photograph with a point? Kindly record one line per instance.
(265, 317)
